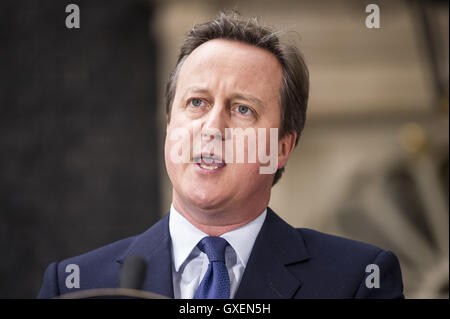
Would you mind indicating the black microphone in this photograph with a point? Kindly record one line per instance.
(133, 272)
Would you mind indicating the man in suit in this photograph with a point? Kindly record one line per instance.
(220, 238)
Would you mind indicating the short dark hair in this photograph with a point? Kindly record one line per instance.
(295, 83)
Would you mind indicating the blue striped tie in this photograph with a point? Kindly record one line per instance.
(216, 282)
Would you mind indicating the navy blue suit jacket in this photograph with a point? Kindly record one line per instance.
(285, 263)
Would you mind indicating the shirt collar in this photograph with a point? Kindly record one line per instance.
(186, 236)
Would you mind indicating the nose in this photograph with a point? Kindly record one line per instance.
(215, 123)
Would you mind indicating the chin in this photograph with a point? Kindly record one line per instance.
(205, 199)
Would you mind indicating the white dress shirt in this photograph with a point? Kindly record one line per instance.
(190, 264)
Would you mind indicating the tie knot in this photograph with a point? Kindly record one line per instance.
(213, 247)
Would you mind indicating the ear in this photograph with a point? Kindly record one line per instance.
(286, 145)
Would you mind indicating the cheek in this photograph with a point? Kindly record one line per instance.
(172, 154)
(245, 173)
(267, 146)
(169, 164)
(246, 180)
(178, 144)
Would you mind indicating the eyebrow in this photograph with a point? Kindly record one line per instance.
(243, 96)
(195, 89)
(248, 97)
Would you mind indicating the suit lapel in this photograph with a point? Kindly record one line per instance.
(154, 246)
(266, 275)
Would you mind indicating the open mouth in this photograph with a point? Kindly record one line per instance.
(209, 162)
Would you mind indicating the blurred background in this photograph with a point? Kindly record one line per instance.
(82, 128)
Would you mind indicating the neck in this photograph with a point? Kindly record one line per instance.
(216, 222)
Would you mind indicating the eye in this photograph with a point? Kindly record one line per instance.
(196, 102)
(244, 110)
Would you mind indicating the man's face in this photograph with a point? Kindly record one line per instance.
(224, 84)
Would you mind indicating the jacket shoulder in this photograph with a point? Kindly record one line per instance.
(319, 242)
(341, 267)
(105, 254)
(98, 268)
(95, 269)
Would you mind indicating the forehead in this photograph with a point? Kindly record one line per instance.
(232, 65)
